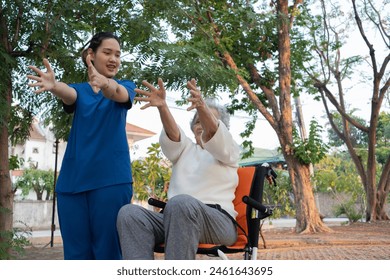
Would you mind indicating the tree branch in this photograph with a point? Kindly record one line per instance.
(379, 25)
(252, 95)
(18, 23)
(293, 9)
(227, 58)
(363, 34)
(330, 116)
(322, 87)
(268, 92)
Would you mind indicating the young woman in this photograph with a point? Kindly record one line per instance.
(95, 178)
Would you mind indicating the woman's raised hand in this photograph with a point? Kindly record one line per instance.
(196, 96)
(45, 81)
(155, 96)
(96, 80)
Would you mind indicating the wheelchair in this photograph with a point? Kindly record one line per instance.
(248, 205)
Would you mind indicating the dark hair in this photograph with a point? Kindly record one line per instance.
(95, 43)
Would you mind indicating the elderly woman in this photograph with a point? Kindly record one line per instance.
(201, 191)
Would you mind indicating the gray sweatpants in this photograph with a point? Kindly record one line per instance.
(185, 222)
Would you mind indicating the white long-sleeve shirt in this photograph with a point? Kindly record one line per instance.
(208, 174)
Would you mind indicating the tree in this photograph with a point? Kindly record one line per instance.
(333, 69)
(151, 175)
(36, 180)
(230, 46)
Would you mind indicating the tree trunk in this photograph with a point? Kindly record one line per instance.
(6, 193)
(47, 195)
(307, 215)
(383, 192)
(371, 191)
(39, 195)
(308, 218)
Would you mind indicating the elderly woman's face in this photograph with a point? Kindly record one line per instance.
(197, 128)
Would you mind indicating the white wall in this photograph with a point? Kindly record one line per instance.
(34, 214)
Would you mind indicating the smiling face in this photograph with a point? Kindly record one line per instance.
(107, 57)
(197, 128)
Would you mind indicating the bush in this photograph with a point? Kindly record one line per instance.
(13, 243)
(280, 196)
(349, 209)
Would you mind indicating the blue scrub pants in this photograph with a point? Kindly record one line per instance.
(88, 222)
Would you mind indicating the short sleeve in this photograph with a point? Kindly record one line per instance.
(130, 87)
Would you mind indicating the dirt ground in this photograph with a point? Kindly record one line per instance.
(359, 232)
(357, 241)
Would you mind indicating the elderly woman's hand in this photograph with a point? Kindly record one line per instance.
(196, 97)
(155, 96)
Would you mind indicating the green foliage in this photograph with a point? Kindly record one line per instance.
(349, 209)
(357, 137)
(383, 138)
(382, 154)
(310, 150)
(37, 180)
(151, 175)
(336, 174)
(280, 196)
(13, 241)
(15, 162)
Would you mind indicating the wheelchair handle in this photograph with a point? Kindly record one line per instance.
(257, 205)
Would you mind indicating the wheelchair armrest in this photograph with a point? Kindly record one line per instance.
(156, 203)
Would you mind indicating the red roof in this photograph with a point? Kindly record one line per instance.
(137, 133)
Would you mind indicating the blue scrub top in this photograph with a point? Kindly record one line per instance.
(97, 154)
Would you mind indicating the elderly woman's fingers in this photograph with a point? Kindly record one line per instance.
(144, 99)
(195, 94)
(161, 84)
(143, 92)
(192, 107)
(153, 88)
(149, 85)
(145, 106)
(191, 85)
